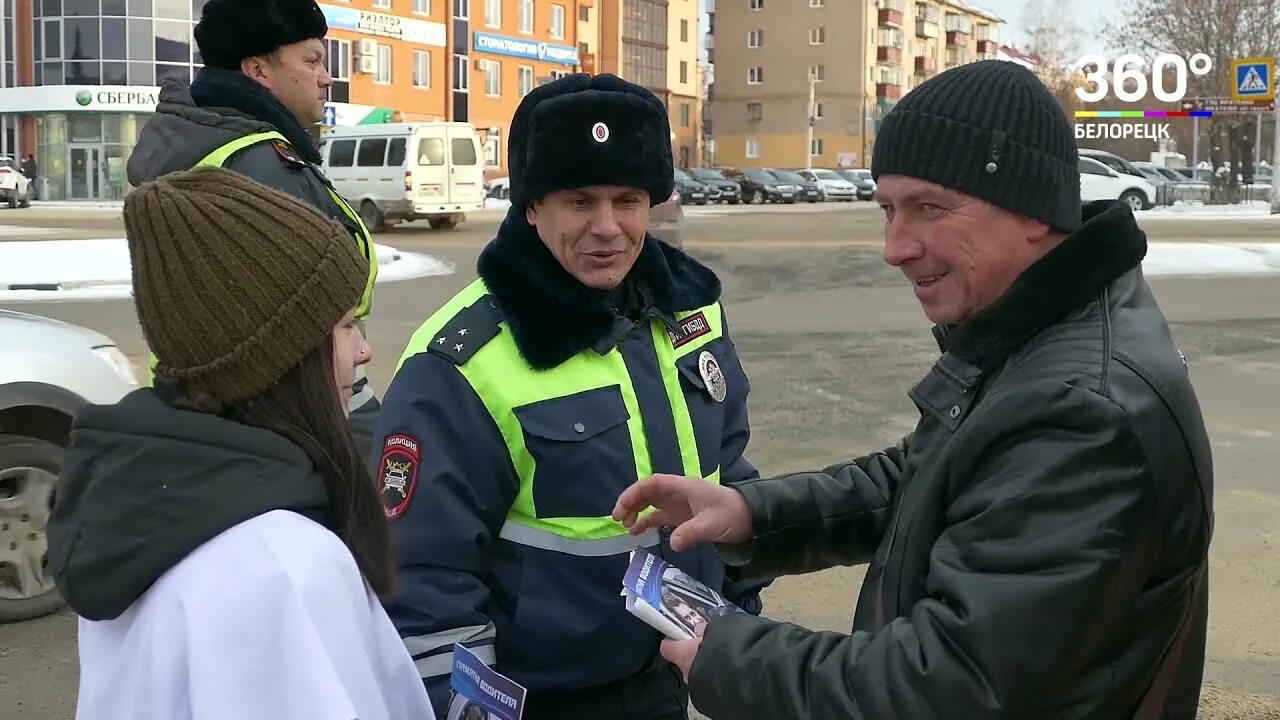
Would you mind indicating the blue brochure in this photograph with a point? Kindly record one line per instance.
(480, 693)
(669, 599)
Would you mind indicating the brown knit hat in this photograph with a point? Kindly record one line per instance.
(235, 282)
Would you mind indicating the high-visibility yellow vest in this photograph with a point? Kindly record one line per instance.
(219, 157)
(505, 382)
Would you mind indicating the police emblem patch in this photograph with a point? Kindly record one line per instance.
(398, 474)
(691, 328)
(712, 377)
(600, 132)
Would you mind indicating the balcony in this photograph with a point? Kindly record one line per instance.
(891, 17)
(926, 64)
(888, 90)
(957, 38)
(889, 55)
(927, 29)
(987, 47)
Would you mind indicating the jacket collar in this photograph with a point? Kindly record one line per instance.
(1107, 245)
(553, 317)
(217, 88)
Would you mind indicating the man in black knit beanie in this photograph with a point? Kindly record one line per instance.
(1037, 546)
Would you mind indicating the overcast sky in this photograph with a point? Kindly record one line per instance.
(1087, 14)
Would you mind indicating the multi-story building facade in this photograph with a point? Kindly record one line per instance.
(684, 98)
(502, 50)
(82, 77)
(855, 58)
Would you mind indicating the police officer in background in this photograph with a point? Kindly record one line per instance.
(586, 355)
(264, 82)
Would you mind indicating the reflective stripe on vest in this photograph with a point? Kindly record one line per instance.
(219, 157)
(504, 381)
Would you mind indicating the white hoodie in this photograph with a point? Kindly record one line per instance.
(269, 620)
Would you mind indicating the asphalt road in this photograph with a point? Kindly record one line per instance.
(832, 339)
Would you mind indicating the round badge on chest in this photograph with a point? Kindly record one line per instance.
(712, 377)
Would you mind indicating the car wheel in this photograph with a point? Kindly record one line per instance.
(443, 223)
(26, 199)
(757, 197)
(372, 217)
(29, 470)
(1135, 200)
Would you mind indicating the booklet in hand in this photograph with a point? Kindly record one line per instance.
(480, 692)
(668, 598)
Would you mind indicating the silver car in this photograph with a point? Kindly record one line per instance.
(48, 371)
(834, 185)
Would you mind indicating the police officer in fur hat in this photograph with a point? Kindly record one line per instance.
(249, 109)
(586, 356)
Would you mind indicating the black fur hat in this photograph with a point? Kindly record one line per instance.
(231, 30)
(585, 130)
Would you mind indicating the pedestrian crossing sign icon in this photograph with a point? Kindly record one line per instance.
(1254, 79)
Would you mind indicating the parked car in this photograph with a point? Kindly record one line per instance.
(666, 221)
(48, 371)
(15, 188)
(861, 179)
(760, 186)
(1100, 182)
(692, 191)
(834, 185)
(807, 190)
(1172, 186)
(730, 190)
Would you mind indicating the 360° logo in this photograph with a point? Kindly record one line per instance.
(1129, 67)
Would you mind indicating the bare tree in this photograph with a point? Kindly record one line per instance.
(1222, 29)
(1054, 41)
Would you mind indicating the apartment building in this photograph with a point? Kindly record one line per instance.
(856, 58)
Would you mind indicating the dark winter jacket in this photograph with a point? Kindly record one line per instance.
(1032, 544)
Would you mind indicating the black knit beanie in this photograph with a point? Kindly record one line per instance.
(989, 129)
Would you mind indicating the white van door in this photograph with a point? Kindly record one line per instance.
(466, 168)
(430, 173)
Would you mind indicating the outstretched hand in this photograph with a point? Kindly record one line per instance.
(697, 510)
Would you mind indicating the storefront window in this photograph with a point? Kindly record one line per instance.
(84, 156)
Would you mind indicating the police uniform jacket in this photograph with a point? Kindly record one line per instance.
(528, 374)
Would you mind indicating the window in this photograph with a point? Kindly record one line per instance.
(753, 146)
(755, 38)
(372, 153)
(525, 75)
(755, 5)
(463, 151)
(818, 72)
(382, 74)
(338, 53)
(684, 71)
(492, 78)
(557, 22)
(493, 13)
(461, 72)
(644, 64)
(395, 152)
(462, 9)
(817, 109)
(421, 7)
(817, 3)
(817, 35)
(684, 31)
(557, 74)
(584, 14)
(755, 111)
(342, 153)
(684, 114)
(891, 37)
(526, 16)
(421, 69)
(431, 151)
(987, 32)
(958, 22)
(382, 3)
(958, 56)
(815, 148)
(755, 75)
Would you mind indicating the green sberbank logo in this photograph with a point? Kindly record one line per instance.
(84, 97)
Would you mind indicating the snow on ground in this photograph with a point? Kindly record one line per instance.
(496, 204)
(1254, 210)
(1165, 259)
(61, 270)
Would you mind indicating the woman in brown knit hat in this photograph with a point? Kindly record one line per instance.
(218, 534)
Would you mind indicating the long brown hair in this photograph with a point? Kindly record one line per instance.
(303, 406)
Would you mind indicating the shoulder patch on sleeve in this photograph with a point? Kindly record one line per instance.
(288, 154)
(398, 473)
(468, 331)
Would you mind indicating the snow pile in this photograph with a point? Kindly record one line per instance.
(1183, 259)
